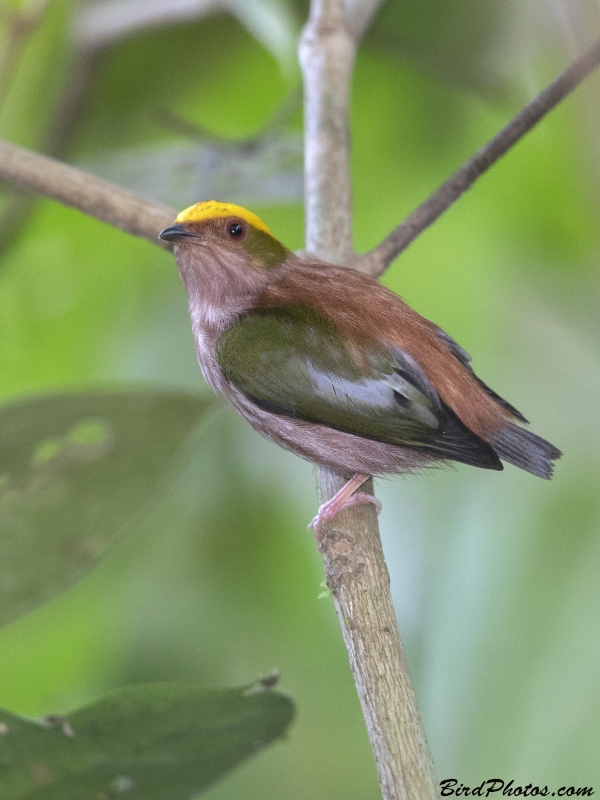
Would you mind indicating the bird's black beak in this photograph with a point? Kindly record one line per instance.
(178, 233)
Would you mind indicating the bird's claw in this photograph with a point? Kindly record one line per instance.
(327, 511)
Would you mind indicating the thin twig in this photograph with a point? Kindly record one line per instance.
(74, 187)
(355, 567)
(376, 261)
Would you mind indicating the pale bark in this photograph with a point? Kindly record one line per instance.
(327, 50)
(100, 199)
(355, 567)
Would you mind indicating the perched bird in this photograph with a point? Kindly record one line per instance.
(328, 363)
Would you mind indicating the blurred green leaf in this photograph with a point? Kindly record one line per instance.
(34, 90)
(182, 174)
(74, 469)
(161, 741)
(271, 22)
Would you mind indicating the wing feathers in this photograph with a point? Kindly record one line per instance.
(465, 445)
(292, 362)
(465, 358)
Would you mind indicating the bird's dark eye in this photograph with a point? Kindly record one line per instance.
(235, 229)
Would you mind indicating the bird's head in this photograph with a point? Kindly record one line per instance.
(225, 255)
(227, 232)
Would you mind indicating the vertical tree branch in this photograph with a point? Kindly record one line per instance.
(355, 567)
(327, 59)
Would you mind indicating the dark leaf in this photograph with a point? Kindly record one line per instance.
(161, 741)
(74, 469)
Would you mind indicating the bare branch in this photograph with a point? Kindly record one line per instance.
(376, 261)
(357, 575)
(73, 187)
(354, 564)
(327, 51)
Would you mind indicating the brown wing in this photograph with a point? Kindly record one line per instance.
(360, 306)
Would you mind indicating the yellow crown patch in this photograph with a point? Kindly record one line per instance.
(212, 209)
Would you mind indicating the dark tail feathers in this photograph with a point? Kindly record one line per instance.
(525, 450)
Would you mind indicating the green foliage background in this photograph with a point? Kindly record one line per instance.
(495, 576)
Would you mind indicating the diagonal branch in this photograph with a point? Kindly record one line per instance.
(376, 261)
(100, 199)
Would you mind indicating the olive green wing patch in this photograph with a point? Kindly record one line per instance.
(292, 361)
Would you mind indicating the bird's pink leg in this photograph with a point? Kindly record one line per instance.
(341, 500)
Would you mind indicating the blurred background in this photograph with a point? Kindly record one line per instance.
(495, 576)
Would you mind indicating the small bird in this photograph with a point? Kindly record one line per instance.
(330, 364)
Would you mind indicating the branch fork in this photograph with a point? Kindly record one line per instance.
(354, 564)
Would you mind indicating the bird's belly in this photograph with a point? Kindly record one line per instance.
(337, 450)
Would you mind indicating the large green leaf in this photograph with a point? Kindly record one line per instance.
(161, 741)
(74, 469)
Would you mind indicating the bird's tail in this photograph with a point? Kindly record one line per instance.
(525, 450)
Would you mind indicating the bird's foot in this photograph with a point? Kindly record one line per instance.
(345, 498)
